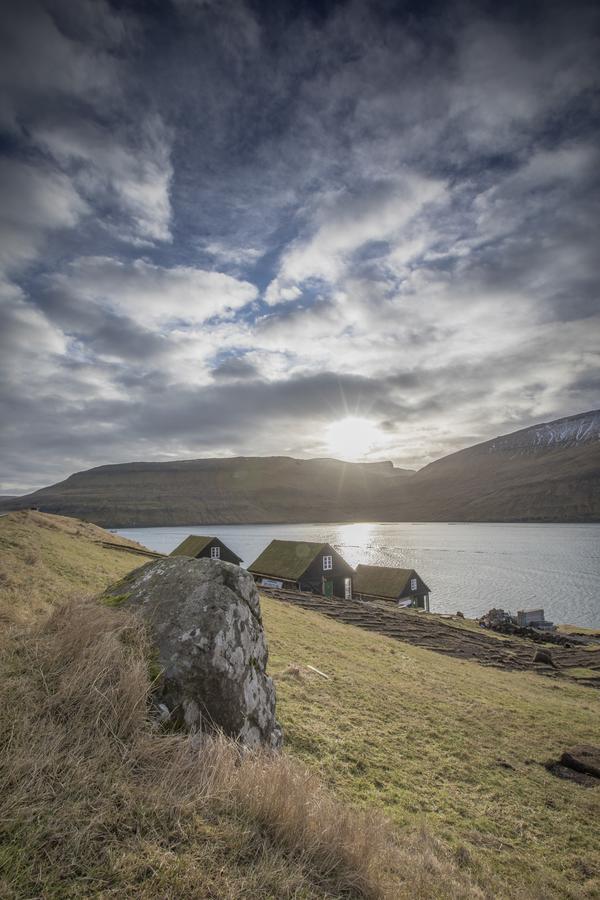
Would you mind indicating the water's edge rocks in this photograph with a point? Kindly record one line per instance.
(211, 652)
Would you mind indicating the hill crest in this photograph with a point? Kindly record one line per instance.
(548, 472)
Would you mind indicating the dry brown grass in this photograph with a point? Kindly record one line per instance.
(46, 559)
(97, 801)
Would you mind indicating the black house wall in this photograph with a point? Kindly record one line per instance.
(312, 578)
(422, 588)
(227, 555)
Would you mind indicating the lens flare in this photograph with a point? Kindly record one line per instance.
(352, 438)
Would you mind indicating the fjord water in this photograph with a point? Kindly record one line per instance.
(469, 567)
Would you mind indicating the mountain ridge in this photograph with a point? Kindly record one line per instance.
(548, 472)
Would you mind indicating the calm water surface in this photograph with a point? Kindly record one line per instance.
(469, 567)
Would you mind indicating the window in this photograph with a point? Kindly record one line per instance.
(327, 563)
(413, 584)
(215, 553)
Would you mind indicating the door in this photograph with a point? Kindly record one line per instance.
(328, 587)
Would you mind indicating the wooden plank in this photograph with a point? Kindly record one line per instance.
(109, 545)
(318, 671)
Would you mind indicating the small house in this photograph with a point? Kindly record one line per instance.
(403, 586)
(200, 546)
(532, 618)
(304, 566)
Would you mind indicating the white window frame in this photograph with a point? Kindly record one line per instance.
(327, 563)
(413, 584)
(215, 553)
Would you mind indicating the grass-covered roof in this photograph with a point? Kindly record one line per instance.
(192, 546)
(380, 581)
(286, 559)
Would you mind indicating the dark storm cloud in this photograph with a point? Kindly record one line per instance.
(215, 215)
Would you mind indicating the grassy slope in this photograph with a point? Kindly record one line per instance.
(44, 559)
(429, 739)
(96, 801)
(423, 736)
(579, 629)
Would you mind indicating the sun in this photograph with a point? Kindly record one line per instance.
(352, 437)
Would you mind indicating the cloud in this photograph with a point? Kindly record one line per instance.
(63, 98)
(128, 174)
(35, 201)
(235, 255)
(151, 294)
(235, 369)
(225, 225)
(40, 62)
(22, 326)
(347, 223)
(513, 74)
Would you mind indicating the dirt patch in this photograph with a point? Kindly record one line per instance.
(580, 764)
(583, 758)
(560, 771)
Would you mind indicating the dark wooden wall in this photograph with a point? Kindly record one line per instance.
(422, 588)
(312, 579)
(227, 555)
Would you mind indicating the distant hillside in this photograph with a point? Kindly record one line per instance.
(546, 473)
(254, 489)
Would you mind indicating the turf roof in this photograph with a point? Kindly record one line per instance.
(192, 546)
(380, 581)
(286, 559)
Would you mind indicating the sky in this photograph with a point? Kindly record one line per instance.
(355, 229)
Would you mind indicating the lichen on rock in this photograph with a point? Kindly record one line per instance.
(205, 620)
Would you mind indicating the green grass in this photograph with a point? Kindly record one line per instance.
(115, 599)
(578, 629)
(447, 743)
(581, 672)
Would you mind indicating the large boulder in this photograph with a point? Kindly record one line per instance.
(205, 619)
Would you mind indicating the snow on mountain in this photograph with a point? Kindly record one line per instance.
(568, 432)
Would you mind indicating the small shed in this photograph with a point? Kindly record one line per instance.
(403, 586)
(200, 546)
(304, 566)
(532, 618)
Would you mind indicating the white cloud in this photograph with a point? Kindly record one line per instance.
(151, 294)
(346, 223)
(232, 256)
(63, 93)
(29, 341)
(131, 173)
(35, 201)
